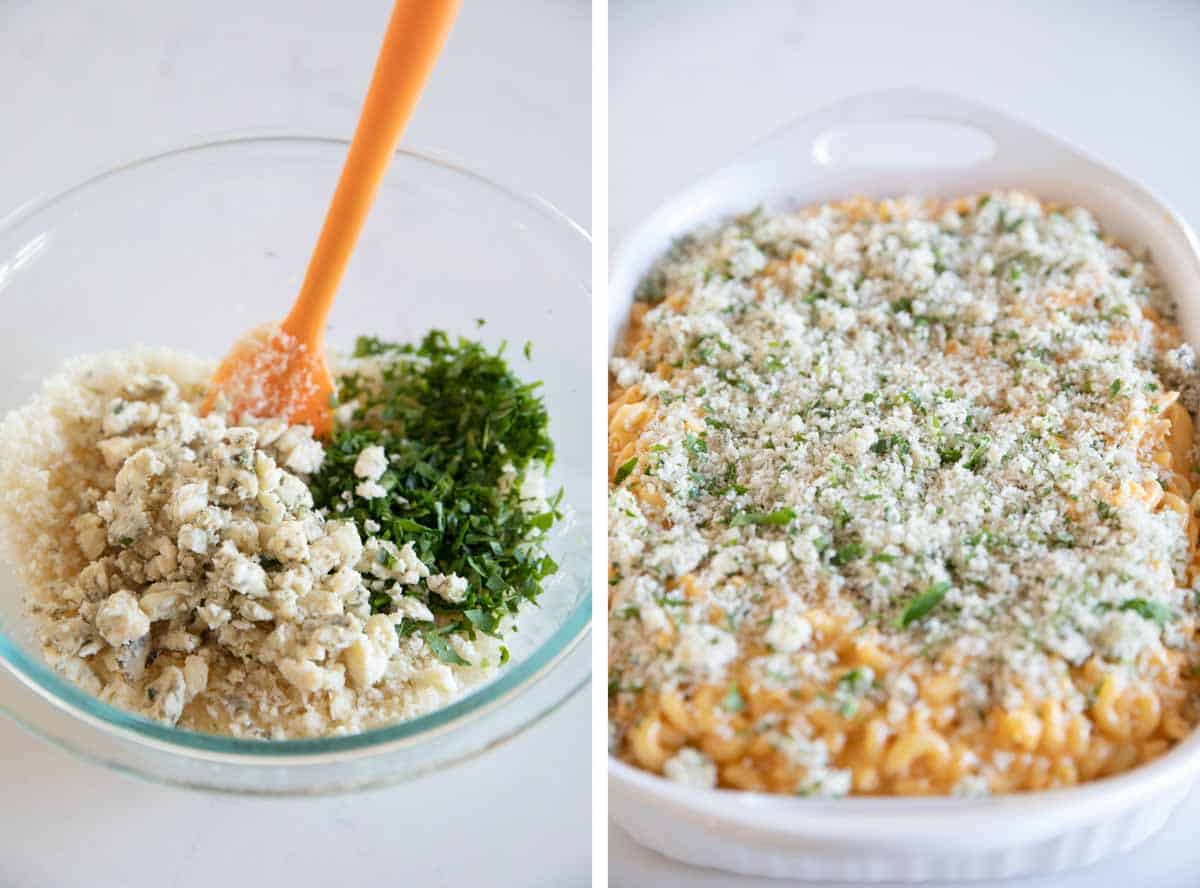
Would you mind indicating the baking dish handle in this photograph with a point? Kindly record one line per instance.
(788, 168)
(1014, 144)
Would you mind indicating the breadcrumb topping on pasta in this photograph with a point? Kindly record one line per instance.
(902, 503)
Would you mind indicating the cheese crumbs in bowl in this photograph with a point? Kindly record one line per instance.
(902, 503)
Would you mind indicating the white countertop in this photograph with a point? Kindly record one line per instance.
(92, 84)
(694, 81)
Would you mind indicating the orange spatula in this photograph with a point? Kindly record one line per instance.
(281, 371)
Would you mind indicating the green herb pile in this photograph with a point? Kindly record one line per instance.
(451, 417)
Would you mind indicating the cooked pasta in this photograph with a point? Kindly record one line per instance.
(903, 502)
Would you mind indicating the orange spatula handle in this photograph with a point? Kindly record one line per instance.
(415, 36)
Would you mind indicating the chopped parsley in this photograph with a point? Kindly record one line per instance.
(894, 443)
(461, 431)
(624, 471)
(856, 680)
(978, 457)
(921, 605)
(1157, 613)
(442, 649)
(653, 288)
(779, 517)
(949, 455)
(847, 553)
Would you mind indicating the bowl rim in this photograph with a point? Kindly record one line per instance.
(389, 738)
(23, 211)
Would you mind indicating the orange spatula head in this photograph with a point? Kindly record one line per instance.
(270, 373)
(281, 371)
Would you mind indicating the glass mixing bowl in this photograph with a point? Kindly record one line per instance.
(190, 248)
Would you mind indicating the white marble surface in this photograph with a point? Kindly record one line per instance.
(91, 84)
(693, 81)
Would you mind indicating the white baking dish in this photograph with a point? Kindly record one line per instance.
(821, 157)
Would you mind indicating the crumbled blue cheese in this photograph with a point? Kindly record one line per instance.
(370, 490)
(386, 560)
(788, 632)
(971, 786)
(691, 767)
(704, 650)
(1125, 635)
(371, 463)
(368, 656)
(451, 588)
(832, 783)
(119, 620)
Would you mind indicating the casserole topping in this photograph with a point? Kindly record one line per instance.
(902, 503)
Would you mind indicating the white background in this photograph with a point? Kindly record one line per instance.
(87, 85)
(694, 81)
